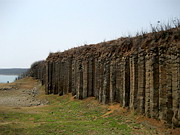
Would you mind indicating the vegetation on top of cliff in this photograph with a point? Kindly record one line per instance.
(159, 35)
(37, 63)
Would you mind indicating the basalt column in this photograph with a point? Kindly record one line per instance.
(141, 82)
(97, 79)
(169, 86)
(91, 70)
(119, 80)
(113, 91)
(85, 78)
(69, 75)
(53, 76)
(175, 56)
(154, 89)
(126, 81)
(43, 74)
(101, 79)
(106, 82)
(50, 77)
(79, 91)
(168, 80)
(61, 77)
(133, 81)
(162, 84)
(56, 72)
(59, 83)
(74, 77)
(66, 77)
(46, 79)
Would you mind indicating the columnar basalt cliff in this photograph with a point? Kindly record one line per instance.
(141, 73)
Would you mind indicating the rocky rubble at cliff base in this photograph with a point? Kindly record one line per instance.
(14, 97)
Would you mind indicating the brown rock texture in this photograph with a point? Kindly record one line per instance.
(140, 73)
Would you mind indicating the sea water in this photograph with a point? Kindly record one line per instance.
(7, 78)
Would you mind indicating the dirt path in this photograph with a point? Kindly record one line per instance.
(20, 94)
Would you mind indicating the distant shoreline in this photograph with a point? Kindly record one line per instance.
(11, 74)
(12, 71)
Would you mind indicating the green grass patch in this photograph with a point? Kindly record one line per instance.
(63, 116)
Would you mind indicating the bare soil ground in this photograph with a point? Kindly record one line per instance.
(20, 94)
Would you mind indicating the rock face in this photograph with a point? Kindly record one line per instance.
(140, 73)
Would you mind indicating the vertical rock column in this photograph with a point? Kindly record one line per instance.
(69, 79)
(148, 84)
(43, 73)
(58, 77)
(79, 91)
(119, 80)
(176, 86)
(133, 81)
(141, 82)
(66, 76)
(61, 77)
(47, 78)
(154, 82)
(50, 77)
(91, 77)
(101, 80)
(168, 84)
(97, 79)
(126, 81)
(106, 82)
(53, 77)
(85, 78)
(113, 91)
(74, 77)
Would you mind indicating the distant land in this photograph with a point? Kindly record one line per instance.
(13, 71)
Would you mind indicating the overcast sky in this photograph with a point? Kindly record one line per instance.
(30, 29)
